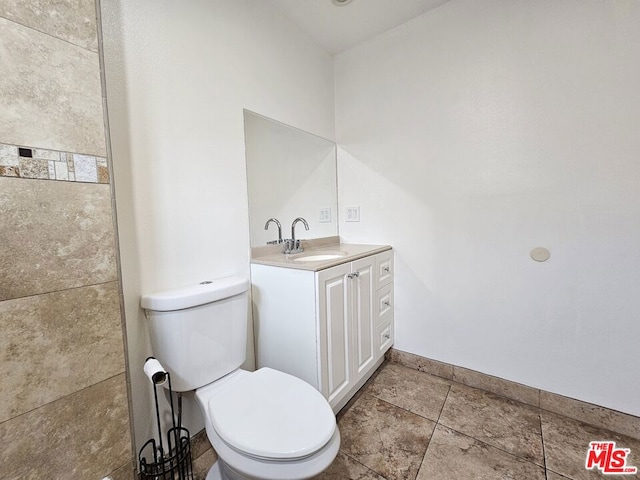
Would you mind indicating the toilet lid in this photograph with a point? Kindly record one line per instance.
(271, 414)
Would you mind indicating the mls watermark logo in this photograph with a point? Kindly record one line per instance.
(610, 460)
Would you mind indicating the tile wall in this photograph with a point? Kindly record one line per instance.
(64, 408)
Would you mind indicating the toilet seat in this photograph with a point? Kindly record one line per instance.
(272, 415)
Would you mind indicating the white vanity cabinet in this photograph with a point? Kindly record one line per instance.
(329, 327)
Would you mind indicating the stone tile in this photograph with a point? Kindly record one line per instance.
(85, 168)
(452, 455)
(70, 20)
(54, 344)
(61, 171)
(500, 422)
(566, 442)
(34, 168)
(9, 155)
(54, 236)
(9, 171)
(81, 436)
(386, 439)
(418, 392)
(346, 468)
(56, 83)
(126, 472)
(46, 154)
(499, 386)
(439, 369)
(203, 463)
(554, 476)
(199, 444)
(622, 423)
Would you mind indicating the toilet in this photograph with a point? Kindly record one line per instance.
(264, 424)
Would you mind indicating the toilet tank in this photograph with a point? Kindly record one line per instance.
(199, 333)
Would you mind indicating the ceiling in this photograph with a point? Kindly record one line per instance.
(338, 28)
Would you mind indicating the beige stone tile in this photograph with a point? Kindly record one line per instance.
(203, 463)
(54, 236)
(502, 423)
(46, 154)
(56, 83)
(593, 414)
(54, 344)
(554, 476)
(34, 168)
(9, 171)
(199, 443)
(410, 389)
(126, 472)
(70, 20)
(434, 367)
(81, 436)
(386, 439)
(499, 386)
(566, 442)
(346, 468)
(103, 174)
(452, 455)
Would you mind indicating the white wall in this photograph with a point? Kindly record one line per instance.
(477, 132)
(178, 77)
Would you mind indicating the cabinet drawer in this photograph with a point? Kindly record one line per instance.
(384, 268)
(384, 336)
(384, 302)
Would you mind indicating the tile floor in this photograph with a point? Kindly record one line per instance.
(409, 425)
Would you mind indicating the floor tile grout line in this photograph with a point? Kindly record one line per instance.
(360, 463)
(496, 448)
(544, 452)
(401, 407)
(435, 424)
(424, 457)
(443, 405)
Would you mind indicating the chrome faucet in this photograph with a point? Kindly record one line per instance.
(266, 227)
(293, 245)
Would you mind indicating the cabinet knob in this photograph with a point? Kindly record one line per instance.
(354, 275)
(386, 303)
(386, 269)
(387, 336)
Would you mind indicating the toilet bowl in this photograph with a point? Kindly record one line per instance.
(268, 425)
(264, 425)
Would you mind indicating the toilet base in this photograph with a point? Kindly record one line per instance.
(214, 472)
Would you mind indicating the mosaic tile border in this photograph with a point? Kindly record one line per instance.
(596, 415)
(30, 162)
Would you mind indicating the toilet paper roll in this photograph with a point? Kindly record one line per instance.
(155, 371)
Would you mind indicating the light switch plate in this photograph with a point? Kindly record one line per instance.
(325, 215)
(352, 214)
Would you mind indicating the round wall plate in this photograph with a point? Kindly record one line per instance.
(540, 254)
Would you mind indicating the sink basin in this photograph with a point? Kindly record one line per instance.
(319, 257)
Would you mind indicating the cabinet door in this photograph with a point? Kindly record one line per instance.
(333, 320)
(362, 285)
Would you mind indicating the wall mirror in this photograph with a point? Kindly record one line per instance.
(290, 173)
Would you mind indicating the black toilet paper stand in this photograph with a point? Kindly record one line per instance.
(174, 463)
